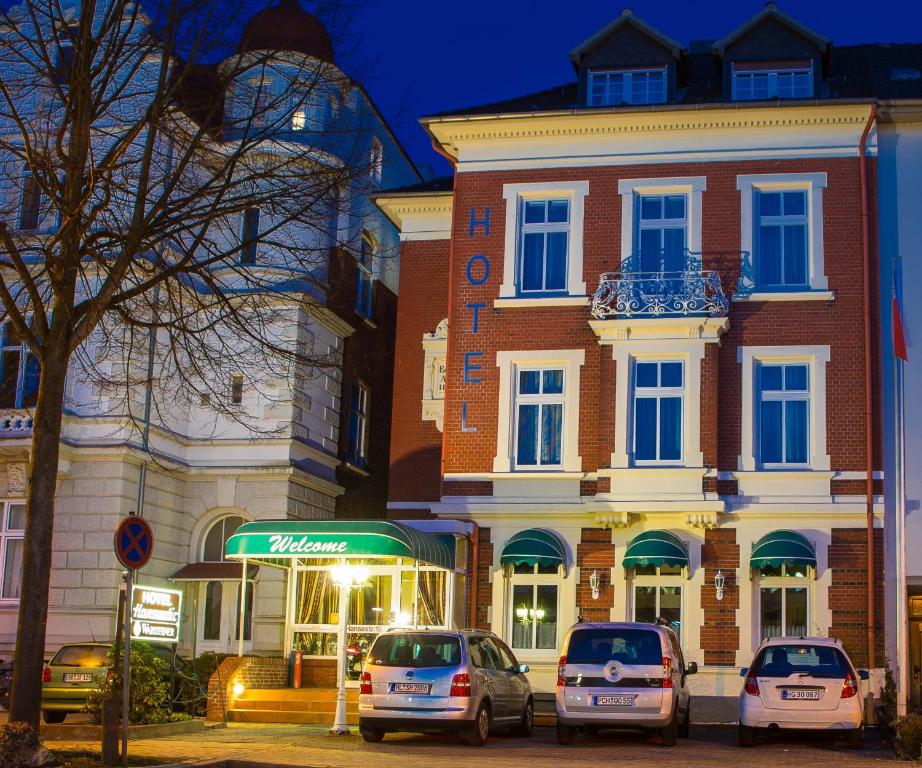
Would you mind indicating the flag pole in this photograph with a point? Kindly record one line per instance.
(902, 627)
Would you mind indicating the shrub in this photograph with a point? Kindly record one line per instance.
(886, 709)
(193, 688)
(149, 697)
(909, 736)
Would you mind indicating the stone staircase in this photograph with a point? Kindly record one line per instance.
(307, 706)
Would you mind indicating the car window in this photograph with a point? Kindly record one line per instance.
(508, 659)
(676, 651)
(81, 656)
(484, 655)
(801, 658)
(629, 646)
(415, 650)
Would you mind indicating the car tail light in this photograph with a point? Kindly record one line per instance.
(460, 685)
(46, 675)
(849, 687)
(752, 685)
(365, 682)
(667, 672)
(561, 682)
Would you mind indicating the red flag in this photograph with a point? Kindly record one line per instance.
(899, 340)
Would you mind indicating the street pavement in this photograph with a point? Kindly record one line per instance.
(313, 746)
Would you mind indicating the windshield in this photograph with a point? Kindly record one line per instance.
(416, 650)
(629, 646)
(81, 656)
(801, 659)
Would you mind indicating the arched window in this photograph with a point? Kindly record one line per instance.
(217, 536)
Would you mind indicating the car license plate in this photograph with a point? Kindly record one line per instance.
(410, 688)
(787, 693)
(77, 677)
(614, 701)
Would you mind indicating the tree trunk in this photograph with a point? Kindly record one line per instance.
(36, 565)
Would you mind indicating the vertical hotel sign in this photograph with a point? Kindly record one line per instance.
(476, 272)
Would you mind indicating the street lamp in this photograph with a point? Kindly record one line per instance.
(346, 577)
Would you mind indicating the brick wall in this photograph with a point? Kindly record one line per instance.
(838, 323)
(720, 635)
(595, 552)
(416, 445)
(848, 592)
(484, 587)
(251, 671)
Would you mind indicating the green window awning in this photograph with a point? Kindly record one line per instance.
(783, 548)
(656, 548)
(534, 547)
(275, 540)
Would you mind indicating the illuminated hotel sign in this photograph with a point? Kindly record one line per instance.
(155, 614)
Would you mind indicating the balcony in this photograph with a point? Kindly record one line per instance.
(15, 423)
(663, 285)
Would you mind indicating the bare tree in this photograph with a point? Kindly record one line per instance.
(166, 212)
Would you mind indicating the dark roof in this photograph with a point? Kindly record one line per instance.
(438, 184)
(224, 571)
(882, 71)
(287, 27)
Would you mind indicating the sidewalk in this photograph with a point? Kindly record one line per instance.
(311, 746)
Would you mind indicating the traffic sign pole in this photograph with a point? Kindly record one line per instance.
(126, 665)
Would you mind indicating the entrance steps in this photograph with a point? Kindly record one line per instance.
(307, 706)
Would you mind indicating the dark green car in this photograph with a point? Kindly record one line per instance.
(74, 672)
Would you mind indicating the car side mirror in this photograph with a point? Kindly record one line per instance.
(691, 668)
(864, 674)
(744, 671)
(523, 668)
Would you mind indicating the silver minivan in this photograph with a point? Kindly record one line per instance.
(623, 675)
(466, 682)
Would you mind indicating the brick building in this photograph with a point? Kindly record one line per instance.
(631, 346)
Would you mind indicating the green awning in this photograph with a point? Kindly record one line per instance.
(783, 548)
(289, 539)
(534, 547)
(656, 548)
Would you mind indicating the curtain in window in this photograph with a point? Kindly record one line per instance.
(770, 624)
(556, 273)
(528, 435)
(796, 611)
(770, 432)
(546, 627)
(12, 569)
(551, 433)
(796, 431)
(533, 262)
(431, 609)
(521, 598)
(795, 254)
(770, 255)
(670, 428)
(314, 591)
(645, 428)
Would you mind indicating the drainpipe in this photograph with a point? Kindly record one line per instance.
(475, 567)
(868, 379)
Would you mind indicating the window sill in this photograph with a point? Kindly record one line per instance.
(369, 322)
(541, 301)
(363, 471)
(787, 296)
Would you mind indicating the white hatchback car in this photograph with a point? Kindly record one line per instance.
(802, 683)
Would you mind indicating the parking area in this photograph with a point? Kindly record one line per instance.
(311, 746)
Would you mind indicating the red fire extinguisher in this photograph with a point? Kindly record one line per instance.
(296, 669)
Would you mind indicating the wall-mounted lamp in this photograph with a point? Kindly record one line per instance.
(595, 582)
(719, 581)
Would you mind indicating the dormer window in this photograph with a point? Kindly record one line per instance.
(627, 86)
(760, 82)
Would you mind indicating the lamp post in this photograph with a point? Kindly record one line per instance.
(346, 577)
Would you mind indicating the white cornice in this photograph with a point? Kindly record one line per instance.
(706, 329)
(419, 217)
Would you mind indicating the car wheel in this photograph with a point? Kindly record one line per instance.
(856, 738)
(685, 725)
(53, 717)
(747, 736)
(372, 735)
(670, 734)
(566, 734)
(481, 728)
(525, 727)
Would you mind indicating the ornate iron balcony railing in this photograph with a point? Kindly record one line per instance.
(679, 287)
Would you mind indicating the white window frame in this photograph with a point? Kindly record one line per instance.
(357, 455)
(814, 184)
(543, 228)
(816, 357)
(693, 187)
(782, 396)
(627, 83)
(541, 399)
(515, 196)
(657, 393)
(8, 534)
(532, 580)
(772, 82)
(783, 582)
(509, 364)
(691, 354)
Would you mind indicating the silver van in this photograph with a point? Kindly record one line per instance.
(466, 682)
(623, 675)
